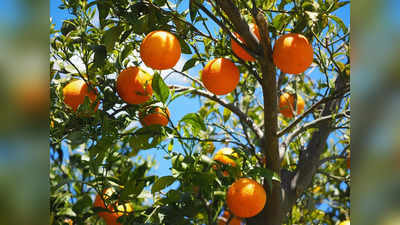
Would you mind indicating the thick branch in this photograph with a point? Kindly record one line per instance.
(223, 27)
(271, 215)
(309, 159)
(240, 24)
(306, 126)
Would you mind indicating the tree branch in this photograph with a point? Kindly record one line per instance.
(304, 127)
(312, 108)
(241, 26)
(242, 116)
(272, 213)
(226, 30)
(309, 158)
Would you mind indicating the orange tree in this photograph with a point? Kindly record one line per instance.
(299, 160)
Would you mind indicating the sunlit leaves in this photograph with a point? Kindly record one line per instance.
(111, 36)
(160, 88)
(106, 148)
(162, 183)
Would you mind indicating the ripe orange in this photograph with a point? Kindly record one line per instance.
(68, 221)
(286, 105)
(134, 85)
(74, 94)
(292, 53)
(155, 116)
(220, 76)
(246, 198)
(160, 50)
(111, 217)
(225, 217)
(239, 51)
(224, 155)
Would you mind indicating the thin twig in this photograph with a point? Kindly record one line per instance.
(230, 106)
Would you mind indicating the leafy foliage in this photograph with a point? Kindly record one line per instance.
(92, 152)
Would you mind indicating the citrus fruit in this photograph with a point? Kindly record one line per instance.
(75, 92)
(225, 155)
(292, 53)
(246, 198)
(238, 50)
(286, 105)
(111, 215)
(160, 50)
(155, 116)
(220, 76)
(134, 85)
(223, 219)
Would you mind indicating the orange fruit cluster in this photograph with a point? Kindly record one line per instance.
(161, 50)
(225, 156)
(111, 215)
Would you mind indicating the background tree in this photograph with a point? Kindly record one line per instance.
(301, 161)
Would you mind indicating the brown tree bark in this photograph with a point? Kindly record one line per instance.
(283, 195)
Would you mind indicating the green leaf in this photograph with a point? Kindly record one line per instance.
(184, 47)
(104, 9)
(83, 202)
(145, 138)
(269, 175)
(125, 52)
(189, 64)
(100, 54)
(202, 179)
(194, 120)
(193, 9)
(111, 36)
(162, 183)
(140, 25)
(279, 21)
(67, 26)
(339, 22)
(227, 114)
(139, 172)
(338, 5)
(179, 95)
(160, 88)
(67, 212)
(173, 196)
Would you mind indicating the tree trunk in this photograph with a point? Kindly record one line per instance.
(271, 214)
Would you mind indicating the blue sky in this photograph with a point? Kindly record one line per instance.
(183, 105)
